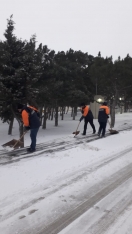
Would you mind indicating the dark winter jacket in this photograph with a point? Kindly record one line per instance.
(86, 113)
(31, 117)
(103, 114)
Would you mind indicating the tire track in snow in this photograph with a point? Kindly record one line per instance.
(105, 213)
(116, 180)
(102, 225)
(70, 178)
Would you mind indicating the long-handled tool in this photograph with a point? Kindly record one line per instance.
(19, 139)
(14, 143)
(112, 131)
(76, 132)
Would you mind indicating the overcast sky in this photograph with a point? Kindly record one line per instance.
(87, 25)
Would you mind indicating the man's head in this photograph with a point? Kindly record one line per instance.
(82, 105)
(20, 107)
(105, 104)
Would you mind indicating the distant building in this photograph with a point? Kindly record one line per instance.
(94, 106)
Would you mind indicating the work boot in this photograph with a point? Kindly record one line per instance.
(30, 150)
(83, 133)
(103, 136)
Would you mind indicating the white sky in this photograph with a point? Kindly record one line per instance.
(87, 25)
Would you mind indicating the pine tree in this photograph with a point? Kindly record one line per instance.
(19, 70)
(114, 80)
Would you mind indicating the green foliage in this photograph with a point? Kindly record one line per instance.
(19, 69)
(111, 77)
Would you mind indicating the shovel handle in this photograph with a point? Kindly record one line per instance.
(20, 139)
(77, 128)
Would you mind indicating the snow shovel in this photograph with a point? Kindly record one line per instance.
(112, 131)
(14, 143)
(76, 132)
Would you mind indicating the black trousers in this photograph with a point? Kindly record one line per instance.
(86, 121)
(102, 128)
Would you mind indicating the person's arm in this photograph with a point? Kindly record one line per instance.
(82, 117)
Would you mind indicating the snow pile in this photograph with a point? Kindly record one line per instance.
(8, 148)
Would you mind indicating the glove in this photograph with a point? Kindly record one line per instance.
(108, 117)
(26, 128)
(81, 119)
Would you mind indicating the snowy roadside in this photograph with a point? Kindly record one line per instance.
(37, 191)
(62, 132)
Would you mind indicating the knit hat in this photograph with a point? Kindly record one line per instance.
(20, 106)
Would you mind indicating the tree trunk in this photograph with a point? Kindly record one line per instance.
(67, 109)
(112, 115)
(41, 113)
(49, 113)
(45, 118)
(56, 116)
(125, 106)
(21, 133)
(60, 111)
(121, 109)
(74, 112)
(11, 126)
(52, 113)
(62, 114)
(113, 111)
(20, 126)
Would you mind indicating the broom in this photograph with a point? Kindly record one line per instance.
(76, 132)
(13, 143)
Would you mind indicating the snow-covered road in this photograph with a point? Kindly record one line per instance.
(85, 189)
(102, 210)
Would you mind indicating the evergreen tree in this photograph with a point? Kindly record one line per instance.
(19, 70)
(114, 79)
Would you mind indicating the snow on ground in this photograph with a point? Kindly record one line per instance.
(38, 191)
(65, 128)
